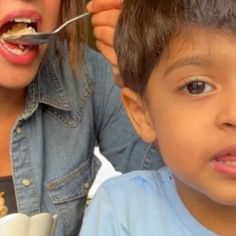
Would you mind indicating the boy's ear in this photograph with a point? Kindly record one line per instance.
(138, 115)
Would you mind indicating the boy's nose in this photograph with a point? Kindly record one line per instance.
(227, 110)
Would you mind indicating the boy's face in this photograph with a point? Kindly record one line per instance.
(19, 65)
(189, 109)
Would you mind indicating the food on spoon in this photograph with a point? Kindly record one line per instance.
(3, 208)
(19, 29)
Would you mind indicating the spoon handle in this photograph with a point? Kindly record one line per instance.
(70, 21)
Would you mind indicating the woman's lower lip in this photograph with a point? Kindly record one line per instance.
(227, 168)
(21, 59)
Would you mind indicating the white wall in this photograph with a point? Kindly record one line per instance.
(106, 171)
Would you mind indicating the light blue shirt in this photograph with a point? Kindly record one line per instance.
(141, 203)
(65, 116)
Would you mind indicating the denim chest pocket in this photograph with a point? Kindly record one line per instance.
(69, 194)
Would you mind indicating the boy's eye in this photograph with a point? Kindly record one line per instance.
(197, 87)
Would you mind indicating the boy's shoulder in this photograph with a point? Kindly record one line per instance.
(145, 203)
(141, 185)
(138, 178)
(139, 201)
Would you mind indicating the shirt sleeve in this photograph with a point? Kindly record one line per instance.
(100, 218)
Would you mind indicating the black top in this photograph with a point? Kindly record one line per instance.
(7, 186)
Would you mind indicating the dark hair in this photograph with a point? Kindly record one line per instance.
(145, 28)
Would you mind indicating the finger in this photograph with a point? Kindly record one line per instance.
(108, 52)
(100, 5)
(104, 34)
(108, 17)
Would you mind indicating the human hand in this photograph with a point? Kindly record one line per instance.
(105, 14)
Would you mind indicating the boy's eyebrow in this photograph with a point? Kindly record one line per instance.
(194, 60)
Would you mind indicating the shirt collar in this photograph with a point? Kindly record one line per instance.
(47, 88)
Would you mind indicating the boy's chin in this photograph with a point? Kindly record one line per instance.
(225, 199)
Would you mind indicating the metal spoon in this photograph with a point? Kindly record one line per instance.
(38, 38)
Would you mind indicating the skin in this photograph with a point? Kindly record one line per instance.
(13, 85)
(189, 129)
(104, 18)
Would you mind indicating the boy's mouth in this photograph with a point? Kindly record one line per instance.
(225, 161)
(17, 26)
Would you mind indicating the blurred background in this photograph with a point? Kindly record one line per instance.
(105, 172)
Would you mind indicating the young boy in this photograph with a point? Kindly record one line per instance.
(177, 59)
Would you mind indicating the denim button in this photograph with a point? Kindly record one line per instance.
(18, 130)
(26, 182)
(87, 185)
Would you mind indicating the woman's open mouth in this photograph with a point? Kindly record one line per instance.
(16, 27)
(25, 23)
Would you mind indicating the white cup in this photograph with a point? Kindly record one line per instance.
(18, 224)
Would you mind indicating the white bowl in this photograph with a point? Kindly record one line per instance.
(18, 224)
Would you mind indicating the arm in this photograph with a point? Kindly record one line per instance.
(104, 18)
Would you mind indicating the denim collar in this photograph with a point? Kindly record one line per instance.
(47, 88)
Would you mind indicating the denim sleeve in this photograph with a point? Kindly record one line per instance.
(100, 218)
(116, 138)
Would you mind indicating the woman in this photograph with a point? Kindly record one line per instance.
(58, 102)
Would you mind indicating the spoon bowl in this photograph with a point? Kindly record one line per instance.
(38, 38)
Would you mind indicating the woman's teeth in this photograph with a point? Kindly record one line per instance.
(23, 20)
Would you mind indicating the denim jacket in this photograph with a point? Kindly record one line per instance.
(65, 116)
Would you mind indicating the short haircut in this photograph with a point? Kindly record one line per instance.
(146, 27)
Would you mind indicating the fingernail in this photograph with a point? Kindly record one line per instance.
(89, 6)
